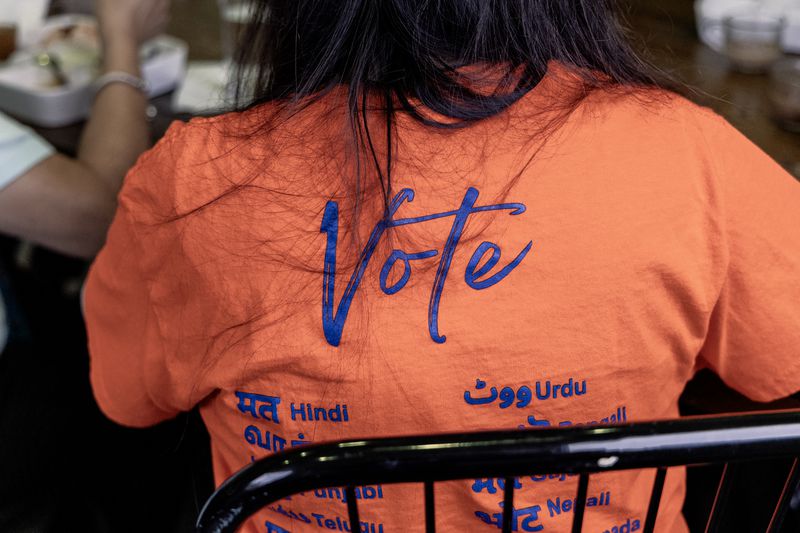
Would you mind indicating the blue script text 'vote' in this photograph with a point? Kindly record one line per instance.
(333, 324)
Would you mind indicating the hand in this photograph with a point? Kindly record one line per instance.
(131, 22)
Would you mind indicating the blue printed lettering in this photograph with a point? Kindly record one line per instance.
(523, 396)
(274, 528)
(480, 385)
(471, 275)
(333, 322)
(298, 412)
(308, 413)
(556, 506)
(552, 477)
(301, 441)
(620, 416)
(629, 526)
(522, 519)
(367, 492)
(290, 514)
(266, 440)
(399, 255)
(339, 524)
(259, 406)
(489, 485)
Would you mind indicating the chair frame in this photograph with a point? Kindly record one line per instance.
(509, 454)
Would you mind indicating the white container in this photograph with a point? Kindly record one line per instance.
(710, 14)
(163, 67)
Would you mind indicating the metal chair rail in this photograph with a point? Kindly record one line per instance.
(507, 454)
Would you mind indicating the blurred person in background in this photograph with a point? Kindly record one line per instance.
(442, 217)
(66, 205)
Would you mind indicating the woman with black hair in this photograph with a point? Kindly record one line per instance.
(436, 216)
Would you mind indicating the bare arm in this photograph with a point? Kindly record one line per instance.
(117, 132)
(67, 204)
(60, 204)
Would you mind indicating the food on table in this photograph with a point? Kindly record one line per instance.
(73, 50)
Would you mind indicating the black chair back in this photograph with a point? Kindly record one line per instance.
(508, 454)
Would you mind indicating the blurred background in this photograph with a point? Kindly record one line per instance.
(740, 57)
(745, 66)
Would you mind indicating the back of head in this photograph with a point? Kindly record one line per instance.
(414, 49)
(445, 63)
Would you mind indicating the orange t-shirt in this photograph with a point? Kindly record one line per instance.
(517, 283)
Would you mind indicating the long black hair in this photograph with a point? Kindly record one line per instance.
(411, 55)
(445, 63)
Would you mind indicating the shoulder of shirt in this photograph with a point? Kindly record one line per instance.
(693, 119)
(186, 161)
(637, 117)
(652, 106)
(214, 132)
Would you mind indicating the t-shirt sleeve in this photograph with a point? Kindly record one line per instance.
(753, 340)
(121, 328)
(20, 150)
(130, 372)
(163, 320)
